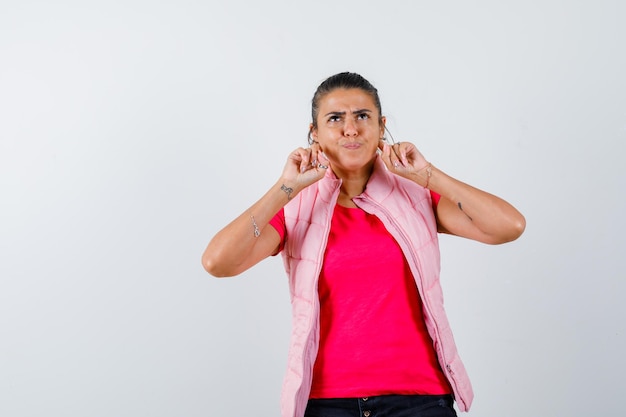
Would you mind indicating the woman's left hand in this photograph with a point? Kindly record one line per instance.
(462, 210)
(404, 159)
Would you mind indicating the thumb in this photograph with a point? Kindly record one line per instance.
(323, 160)
(386, 149)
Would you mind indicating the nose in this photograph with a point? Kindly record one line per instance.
(349, 128)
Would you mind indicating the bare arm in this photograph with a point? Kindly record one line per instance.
(249, 238)
(463, 210)
(472, 213)
(236, 247)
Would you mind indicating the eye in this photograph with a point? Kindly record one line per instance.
(334, 118)
(363, 116)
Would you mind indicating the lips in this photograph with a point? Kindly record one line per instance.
(351, 145)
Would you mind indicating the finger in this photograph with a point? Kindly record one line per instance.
(395, 158)
(384, 153)
(323, 161)
(315, 150)
(402, 155)
(389, 157)
(309, 161)
(301, 158)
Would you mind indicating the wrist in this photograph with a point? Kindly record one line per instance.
(423, 175)
(287, 189)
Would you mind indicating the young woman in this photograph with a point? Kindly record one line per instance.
(356, 220)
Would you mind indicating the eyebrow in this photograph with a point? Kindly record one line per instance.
(342, 113)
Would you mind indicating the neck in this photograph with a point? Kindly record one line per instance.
(352, 185)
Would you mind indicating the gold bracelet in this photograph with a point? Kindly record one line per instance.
(257, 232)
(429, 173)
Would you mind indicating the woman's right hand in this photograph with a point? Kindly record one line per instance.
(305, 167)
(250, 238)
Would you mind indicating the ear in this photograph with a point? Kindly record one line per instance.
(312, 132)
(383, 123)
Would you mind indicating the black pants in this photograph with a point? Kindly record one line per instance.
(383, 406)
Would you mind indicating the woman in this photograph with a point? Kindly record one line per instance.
(356, 220)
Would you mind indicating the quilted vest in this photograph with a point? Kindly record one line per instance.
(405, 209)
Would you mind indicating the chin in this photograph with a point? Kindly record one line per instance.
(355, 165)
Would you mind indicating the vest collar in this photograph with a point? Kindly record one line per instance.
(378, 187)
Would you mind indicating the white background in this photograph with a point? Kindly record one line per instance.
(132, 131)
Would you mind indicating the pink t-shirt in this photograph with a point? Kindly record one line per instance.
(373, 340)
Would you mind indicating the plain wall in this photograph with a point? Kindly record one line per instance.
(132, 131)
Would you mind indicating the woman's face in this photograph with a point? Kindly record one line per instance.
(349, 129)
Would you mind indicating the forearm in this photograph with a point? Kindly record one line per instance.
(471, 212)
(242, 243)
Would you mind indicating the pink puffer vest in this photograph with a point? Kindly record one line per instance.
(406, 211)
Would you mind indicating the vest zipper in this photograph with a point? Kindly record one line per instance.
(400, 232)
